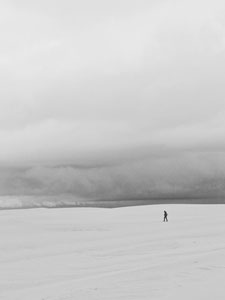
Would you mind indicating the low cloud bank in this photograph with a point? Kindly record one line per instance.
(184, 175)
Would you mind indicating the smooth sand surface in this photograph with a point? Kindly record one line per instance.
(124, 253)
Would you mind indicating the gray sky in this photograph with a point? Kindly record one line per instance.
(84, 77)
(112, 82)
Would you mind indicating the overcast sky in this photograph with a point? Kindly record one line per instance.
(86, 78)
(103, 82)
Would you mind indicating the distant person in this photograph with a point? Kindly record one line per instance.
(165, 216)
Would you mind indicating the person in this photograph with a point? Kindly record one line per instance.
(165, 216)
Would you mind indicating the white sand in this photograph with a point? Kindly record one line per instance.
(124, 253)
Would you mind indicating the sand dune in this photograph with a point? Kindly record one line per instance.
(123, 253)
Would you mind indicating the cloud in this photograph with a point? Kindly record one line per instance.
(123, 85)
(184, 175)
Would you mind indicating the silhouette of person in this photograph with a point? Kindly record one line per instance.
(165, 216)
